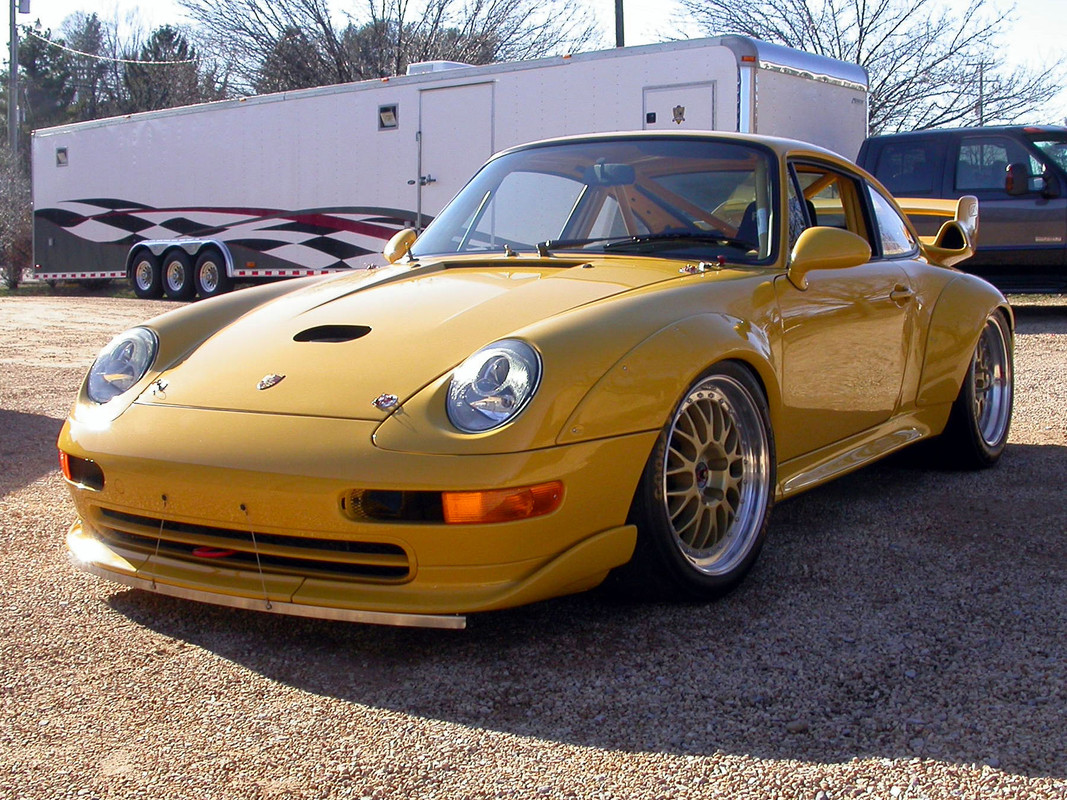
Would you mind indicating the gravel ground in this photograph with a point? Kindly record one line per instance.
(903, 636)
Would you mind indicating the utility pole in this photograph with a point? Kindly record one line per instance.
(13, 76)
(619, 38)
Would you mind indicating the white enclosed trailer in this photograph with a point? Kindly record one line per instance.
(192, 199)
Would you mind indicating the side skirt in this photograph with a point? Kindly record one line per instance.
(813, 469)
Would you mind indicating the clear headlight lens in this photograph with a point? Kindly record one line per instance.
(493, 385)
(121, 364)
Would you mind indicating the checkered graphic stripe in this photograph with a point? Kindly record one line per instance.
(323, 238)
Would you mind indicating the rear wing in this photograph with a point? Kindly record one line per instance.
(957, 237)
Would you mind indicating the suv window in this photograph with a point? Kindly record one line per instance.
(983, 161)
(1055, 147)
(909, 168)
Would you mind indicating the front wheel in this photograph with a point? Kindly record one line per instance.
(147, 276)
(704, 500)
(978, 425)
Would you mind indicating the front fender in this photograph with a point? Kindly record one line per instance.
(955, 325)
(640, 391)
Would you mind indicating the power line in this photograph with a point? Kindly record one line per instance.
(59, 46)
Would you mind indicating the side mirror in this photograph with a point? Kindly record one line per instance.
(1051, 188)
(399, 246)
(825, 248)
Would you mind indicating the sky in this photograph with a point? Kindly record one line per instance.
(1038, 34)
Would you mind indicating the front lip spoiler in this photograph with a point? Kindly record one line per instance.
(441, 621)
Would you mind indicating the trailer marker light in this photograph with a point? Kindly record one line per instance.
(501, 505)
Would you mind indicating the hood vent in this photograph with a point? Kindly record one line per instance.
(332, 333)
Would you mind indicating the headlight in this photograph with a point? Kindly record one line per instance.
(493, 385)
(121, 364)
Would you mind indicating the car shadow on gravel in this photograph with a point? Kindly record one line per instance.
(28, 454)
(898, 612)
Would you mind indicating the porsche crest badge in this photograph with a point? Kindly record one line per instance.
(269, 380)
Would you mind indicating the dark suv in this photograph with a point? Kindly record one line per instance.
(1018, 174)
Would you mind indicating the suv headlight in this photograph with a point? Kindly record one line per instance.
(122, 363)
(493, 385)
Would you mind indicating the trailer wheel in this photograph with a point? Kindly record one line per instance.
(146, 276)
(178, 280)
(211, 276)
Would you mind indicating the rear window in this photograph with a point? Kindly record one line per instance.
(909, 168)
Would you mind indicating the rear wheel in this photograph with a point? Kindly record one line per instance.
(147, 276)
(978, 426)
(178, 276)
(211, 276)
(704, 500)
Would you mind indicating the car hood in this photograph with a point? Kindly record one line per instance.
(335, 346)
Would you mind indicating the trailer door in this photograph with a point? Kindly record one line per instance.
(455, 138)
(685, 106)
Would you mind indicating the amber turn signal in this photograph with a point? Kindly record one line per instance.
(501, 505)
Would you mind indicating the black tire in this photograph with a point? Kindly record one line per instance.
(146, 276)
(211, 276)
(978, 426)
(178, 282)
(704, 500)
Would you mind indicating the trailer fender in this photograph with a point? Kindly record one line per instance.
(192, 248)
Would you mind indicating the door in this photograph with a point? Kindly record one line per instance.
(1021, 239)
(455, 138)
(688, 106)
(845, 339)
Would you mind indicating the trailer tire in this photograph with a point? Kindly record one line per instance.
(178, 282)
(146, 276)
(211, 276)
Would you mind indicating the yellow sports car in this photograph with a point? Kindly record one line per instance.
(610, 355)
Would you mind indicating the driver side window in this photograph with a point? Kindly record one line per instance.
(831, 198)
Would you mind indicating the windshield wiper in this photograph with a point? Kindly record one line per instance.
(682, 236)
(559, 244)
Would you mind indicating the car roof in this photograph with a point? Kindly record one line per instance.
(780, 145)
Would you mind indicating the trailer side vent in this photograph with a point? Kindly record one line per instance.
(61, 157)
(388, 119)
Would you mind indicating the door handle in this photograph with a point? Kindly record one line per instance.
(901, 295)
(424, 180)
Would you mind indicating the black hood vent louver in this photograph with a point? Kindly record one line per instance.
(332, 333)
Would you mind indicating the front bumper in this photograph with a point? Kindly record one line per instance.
(247, 510)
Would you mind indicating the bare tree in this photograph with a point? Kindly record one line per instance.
(929, 66)
(16, 246)
(273, 45)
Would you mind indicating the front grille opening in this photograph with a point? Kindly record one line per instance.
(392, 506)
(280, 554)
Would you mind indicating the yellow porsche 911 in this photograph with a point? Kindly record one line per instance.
(609, 355)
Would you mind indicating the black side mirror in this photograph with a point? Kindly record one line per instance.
(1052, 187)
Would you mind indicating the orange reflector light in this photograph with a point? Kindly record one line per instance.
(64, 464)
(748, 59)
(501, 505)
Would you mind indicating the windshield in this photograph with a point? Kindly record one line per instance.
(1053, 146)
(674, 197)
